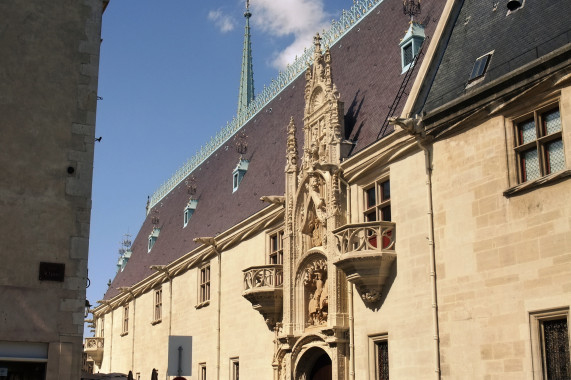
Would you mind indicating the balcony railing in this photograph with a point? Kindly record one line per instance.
(367, 252)
(366, 236)
(94, 349)
(263, 275)
(263, 287)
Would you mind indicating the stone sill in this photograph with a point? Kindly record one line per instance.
(540, 182)
(124, 333)
(156, 322)
(202, 304)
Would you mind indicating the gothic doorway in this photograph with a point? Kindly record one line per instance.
(315, 364)
(322, 368)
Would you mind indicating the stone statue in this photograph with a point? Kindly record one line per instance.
(318, 300)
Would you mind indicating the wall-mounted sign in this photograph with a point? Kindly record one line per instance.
(52, 272)
(180, 356)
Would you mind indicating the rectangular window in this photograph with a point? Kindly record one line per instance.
(204, 295)
(379, 357)
(125, 319)
(539, 144)
(550, 344)
(378, 201)
(158, 309)
(102, 327)
(202, 371)
(276, 251)
(234, 369)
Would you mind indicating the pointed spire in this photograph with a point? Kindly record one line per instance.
(247, 76)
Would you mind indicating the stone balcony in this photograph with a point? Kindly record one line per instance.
(94, 349)
(367, 255)
(263, 287)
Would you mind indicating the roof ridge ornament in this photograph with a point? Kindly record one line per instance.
(411, 8)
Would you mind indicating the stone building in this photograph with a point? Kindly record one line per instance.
(49, 74)
(420, 227)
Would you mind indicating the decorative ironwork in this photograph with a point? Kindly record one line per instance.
(366, 236)
(190, 184)
(336, 31)
(125, 244)
(411, 8)
(241, 143)
(262, 276)
(155, 220)
(382, 360)
(556, 348)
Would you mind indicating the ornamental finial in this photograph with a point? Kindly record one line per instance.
(411, 8)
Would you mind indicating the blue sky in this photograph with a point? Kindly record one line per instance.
(168, 78)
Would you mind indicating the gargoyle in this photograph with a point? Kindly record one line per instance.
(273, 199)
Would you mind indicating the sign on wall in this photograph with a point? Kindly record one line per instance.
(180, 356)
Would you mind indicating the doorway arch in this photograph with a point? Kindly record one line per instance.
(315, 364)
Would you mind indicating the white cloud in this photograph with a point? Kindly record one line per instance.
(223, 22)
(298, 18)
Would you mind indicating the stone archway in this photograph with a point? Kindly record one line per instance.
(315, 364)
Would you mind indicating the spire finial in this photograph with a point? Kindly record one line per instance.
(246, 95)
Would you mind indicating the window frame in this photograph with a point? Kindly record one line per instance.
(381, 203)
(537, 318)
(202, 371)
(101, 323)
(539, 143)
(477, 79)
(234, 368)
(204, 285)
(125, 320)
(187, 215)
(374, 341)
(189, 211)
(521, 110)
(278, 254)
(157, 306)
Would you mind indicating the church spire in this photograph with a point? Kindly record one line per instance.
(247, 77)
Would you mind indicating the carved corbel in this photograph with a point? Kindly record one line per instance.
(274, 199)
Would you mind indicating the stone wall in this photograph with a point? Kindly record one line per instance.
(49, 70)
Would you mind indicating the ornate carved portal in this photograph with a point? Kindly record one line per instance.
(314, 290)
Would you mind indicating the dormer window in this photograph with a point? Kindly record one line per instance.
(189, 210)
(123, 260)
(480, 67)
(239, 173)
(410, 45)
(153, 238)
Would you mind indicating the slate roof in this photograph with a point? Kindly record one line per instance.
(516, 38)
(366, 67)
